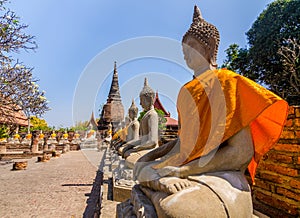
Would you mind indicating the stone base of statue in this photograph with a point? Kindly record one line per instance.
(223, 194)
(89, 144)
(52, 147)
(122, 177)
(122, 182)
(52, 142)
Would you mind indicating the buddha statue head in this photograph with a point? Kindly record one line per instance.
(147, 96)
(202, 38)
(133, 110)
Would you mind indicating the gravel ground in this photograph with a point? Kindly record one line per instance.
(57, 188)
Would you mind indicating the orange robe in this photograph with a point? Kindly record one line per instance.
(215, 106)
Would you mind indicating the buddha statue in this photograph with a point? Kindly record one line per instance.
(27, 139)
(51, 142)
(64, 138)
(132, 128)
(16, 137)
(148, 139)
(227, 123)
(41, 137)
(76, 138)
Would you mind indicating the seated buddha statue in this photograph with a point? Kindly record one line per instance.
(148, 139)
(132, 129)
(227, 123)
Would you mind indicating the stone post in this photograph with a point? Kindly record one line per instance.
(35, 145)
(2, 149)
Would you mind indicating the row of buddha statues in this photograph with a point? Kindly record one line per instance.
(227, 123)
(42, 138)
(138, 138)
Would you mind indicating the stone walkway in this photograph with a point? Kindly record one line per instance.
(58, 188)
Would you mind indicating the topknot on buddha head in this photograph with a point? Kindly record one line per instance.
(147, 96)
(147, 91)
(206, 33)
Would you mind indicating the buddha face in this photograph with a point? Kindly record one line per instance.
(195, 54)
(132, 114)
(146, 102)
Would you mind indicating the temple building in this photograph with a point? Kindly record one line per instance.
(113, 111)
(171, 122)
(8, 116)
(170, 132)
(92, 124)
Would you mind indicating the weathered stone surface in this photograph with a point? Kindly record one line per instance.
(121, 193)
(2, 149)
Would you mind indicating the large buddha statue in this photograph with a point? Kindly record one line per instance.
(148, 139)
(227, 123)
(132, 128)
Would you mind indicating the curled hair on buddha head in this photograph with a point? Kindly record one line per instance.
(206, 33)
(133, 108)
(147, 91)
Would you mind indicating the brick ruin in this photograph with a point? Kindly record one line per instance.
(276, 192)
(113, 110)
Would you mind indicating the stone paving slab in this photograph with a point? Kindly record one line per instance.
(57, 188)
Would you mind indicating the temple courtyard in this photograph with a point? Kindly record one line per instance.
(67, 186)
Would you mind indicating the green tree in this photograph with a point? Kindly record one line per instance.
(273, 54)
(38, 124)
(80, 125)
(3, 131)
(237, 60)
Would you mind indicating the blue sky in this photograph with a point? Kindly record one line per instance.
(70, 35)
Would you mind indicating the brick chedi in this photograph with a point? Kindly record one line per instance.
(113, 110)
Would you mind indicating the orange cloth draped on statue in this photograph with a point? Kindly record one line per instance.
(218, 104)
(121, 133)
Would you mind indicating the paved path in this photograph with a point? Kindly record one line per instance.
(58, 188)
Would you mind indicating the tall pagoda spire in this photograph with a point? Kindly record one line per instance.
(113, 110)
(114, 92)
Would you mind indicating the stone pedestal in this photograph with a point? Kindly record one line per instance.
(51, 147)
(121, 193)
(2, 149)
(122, 180)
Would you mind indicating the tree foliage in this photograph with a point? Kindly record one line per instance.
(18, 88)
(237, 60)
(38, 124)
(273, 54)
(80, 125)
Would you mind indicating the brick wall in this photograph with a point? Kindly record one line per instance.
(277, 183)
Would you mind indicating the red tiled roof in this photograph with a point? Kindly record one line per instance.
(171, 121)
(158, 105)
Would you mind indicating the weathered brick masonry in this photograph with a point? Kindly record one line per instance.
(277, 183)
